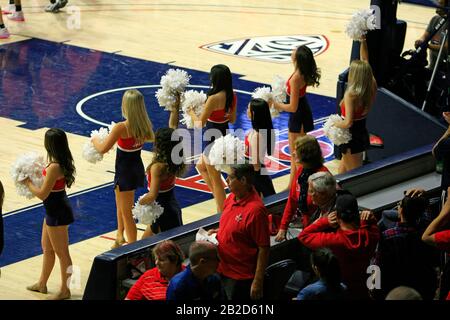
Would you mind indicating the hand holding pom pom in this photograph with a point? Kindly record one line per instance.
(91, 154)
(336, 135)
(26, 168)
(148, 213)
(361, 22)
(192, 102)
(173, 83)
(225, 151)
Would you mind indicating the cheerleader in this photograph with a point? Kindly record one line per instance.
(219, 110)
(161, 176)
(130, 136)
(355, 107)
(259, 141)
(301, 121)
(59, 173)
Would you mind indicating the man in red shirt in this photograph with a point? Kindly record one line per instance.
(243, 237)
(353, 243)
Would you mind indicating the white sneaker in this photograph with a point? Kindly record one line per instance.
(16, 16)
(4, 33)
(10, 8)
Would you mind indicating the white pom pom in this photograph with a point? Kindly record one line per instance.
(29, 165)
(279, 89)
(336, 135)
(265, 93)
(192, 100)
(173, 83)
(90, 154)
(362, 21)
(226, 151)
(175, 80)
(166, 99)
(262, 93)
(147, 214)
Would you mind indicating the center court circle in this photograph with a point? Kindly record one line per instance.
(79, 107)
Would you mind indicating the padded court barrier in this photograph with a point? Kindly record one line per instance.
(408, 134)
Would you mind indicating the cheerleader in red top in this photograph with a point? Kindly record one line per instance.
(260, 139)
(309, 157)
(130, 136)
(220, 109)
(357, 102)
(301, 121)
(58, 212)
(161, 174)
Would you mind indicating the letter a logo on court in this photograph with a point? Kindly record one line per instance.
(269, 49)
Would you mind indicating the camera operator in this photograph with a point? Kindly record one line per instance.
(435, 43)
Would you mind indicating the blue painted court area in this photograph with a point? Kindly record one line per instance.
(41, 85)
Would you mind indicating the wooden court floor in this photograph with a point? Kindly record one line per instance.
(171, 32)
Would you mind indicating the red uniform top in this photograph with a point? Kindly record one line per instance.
(59, 185)
(247, 147)
(128, 144)
(442, 240)
(292, 201)
(150, 286)
(165, 185)
(221, 116)
(243, 227)
(357, 115)
(288, 88)
(352, 248)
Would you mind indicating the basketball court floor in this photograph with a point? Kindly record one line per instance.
(69, 70)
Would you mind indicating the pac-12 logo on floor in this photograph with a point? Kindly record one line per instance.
(269, 49)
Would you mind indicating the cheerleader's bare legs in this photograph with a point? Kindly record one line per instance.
(125, 221)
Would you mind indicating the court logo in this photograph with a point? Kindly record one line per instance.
(269, 49)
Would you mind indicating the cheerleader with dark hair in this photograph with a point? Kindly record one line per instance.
(301, 121)
(59, 173)
(220, 109)
(161, 176)
(259, 141)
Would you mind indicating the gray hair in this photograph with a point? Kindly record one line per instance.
(323, 182)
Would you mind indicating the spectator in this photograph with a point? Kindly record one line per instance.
(243, 236)
(441, 151)
(403, 293)
(329, 286)
(300, 202)
(438, 234)
(152, 285)
(353, 242)
(198, 281)
(401, 255)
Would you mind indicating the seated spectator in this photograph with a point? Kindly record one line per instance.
(310, 160)
(353, 242)
(329, 286)
(243, 236)
(152, 285)
(438, 235)
(404, 260)
(390, 218)
(199, 280)
(403, 293)
(441, 151)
